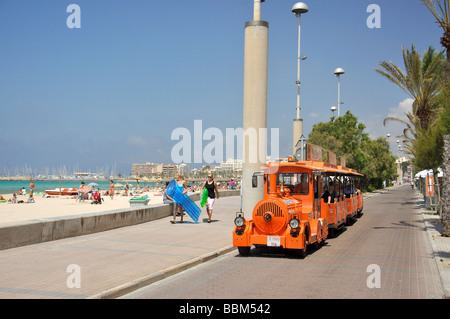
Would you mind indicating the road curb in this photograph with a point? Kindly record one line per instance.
(160, 275)
(445, 282)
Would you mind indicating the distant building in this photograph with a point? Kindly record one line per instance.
(183, 169)
(231, 165)
(399, 161)
(82, 174)
(148, 169)
(169, 170)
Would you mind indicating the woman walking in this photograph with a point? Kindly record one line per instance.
(211, 186)
(182, 188)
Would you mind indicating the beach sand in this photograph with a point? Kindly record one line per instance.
(63, 206)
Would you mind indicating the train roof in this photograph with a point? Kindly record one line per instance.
(272, 168)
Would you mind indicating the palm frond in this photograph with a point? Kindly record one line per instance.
(393, 118)
(440, 13)
(394, 74)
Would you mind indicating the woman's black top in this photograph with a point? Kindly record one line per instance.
(211, 189)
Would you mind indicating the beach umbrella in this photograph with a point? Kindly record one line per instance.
(421, 174)
(424, 173)
(90, 186)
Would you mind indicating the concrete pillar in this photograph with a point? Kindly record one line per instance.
(298, 131)
(255, 111)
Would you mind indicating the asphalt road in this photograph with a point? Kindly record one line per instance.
(385, 254)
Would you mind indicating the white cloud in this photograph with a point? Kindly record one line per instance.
(137, 140)
(375, 126)
(402, 108)
(314, 114)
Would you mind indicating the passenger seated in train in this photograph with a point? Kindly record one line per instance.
(349, 190)
(302, 184)
(329, 195)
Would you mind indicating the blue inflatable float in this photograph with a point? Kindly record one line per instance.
(176, 192)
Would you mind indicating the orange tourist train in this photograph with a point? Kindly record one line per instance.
(304, 203)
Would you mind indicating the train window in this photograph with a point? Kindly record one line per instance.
(298, 183)
(316, 186)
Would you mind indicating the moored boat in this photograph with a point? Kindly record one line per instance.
(64, 191)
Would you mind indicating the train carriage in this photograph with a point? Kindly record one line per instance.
(293, 213)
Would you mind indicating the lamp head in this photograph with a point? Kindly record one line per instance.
(300, 8)
(339, 71)
(333, 109)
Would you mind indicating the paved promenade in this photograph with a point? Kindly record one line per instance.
(112, 263)
(439, 244)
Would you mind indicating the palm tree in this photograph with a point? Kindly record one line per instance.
(441, 11)
(411, 132)
(421, 81)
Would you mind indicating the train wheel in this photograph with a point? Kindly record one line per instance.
(302, 252)
(244, 251)
(332, 233)
(349, 221)
(315, 245)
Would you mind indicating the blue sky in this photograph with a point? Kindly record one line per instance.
(112, 91)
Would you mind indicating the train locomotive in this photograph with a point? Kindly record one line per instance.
(294, 213)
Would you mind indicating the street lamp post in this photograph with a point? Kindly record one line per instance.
(388, 135)
(338, 72)
(333, 109)
(298, 9)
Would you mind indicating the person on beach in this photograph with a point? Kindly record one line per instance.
(111, 189)
(127, 188)
(31, 198)
(169, 200)
(32, 187)
(211, 186)
(232, 184)
(81, 192)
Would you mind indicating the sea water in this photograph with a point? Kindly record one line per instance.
(9, 187)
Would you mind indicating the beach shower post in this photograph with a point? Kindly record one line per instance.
(255, 106)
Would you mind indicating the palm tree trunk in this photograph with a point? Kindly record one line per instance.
(446, 187)
(447, 70)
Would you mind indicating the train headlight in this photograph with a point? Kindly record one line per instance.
(239, 221)
(294, 223)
